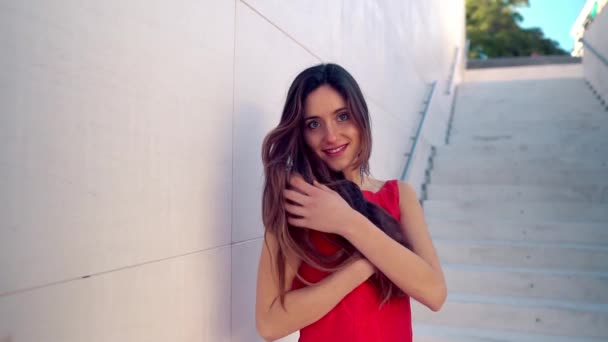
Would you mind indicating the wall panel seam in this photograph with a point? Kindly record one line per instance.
(69, 280)
(281, 30)
(232, 192)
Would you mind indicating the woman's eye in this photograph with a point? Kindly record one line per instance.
(312, 124)
(343, 116)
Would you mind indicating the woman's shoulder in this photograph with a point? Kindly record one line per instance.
(399, 189)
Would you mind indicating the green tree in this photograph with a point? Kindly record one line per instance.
(494, 31)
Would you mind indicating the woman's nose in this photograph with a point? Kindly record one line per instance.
(330, 134)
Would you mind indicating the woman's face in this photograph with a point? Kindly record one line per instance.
(330, 130)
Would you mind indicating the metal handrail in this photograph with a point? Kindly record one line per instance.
(467, 48)
(595, 52)
(415, 138)
(448, 88)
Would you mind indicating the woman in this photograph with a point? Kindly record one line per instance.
(343, 252)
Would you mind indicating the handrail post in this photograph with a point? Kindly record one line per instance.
(455, 59)
(416, 137)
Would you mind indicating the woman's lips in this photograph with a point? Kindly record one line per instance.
(335, 152)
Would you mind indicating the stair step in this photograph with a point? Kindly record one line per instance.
(571, 286)
(538, 126)
(525, 133)
(594, 112)
(529, 136)
(511, 104)
(507, 109)
(464, 174)
(438, 333)
(512, 161)
(542, 124)
(508, 230)
(545, 96)
(550, 256)
(493, 149)
(521, 193)
(555, 317)
(525, 211)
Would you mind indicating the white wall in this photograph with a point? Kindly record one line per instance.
(596, 72)
(130, 134)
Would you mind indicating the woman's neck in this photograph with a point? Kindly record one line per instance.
(363, 181)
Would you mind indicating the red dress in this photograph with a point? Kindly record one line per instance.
(357, 317)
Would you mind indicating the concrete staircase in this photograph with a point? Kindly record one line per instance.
(518, 210)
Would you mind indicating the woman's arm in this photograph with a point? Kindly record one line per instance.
(418, 272)
(303, 306)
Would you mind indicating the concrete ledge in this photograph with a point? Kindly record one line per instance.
(521, 61)
(525, 72)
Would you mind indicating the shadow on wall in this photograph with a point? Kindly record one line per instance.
(252, 125)
(247, 164)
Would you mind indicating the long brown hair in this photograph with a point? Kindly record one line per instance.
(284, 151)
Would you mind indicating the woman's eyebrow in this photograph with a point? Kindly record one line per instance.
(316, 116)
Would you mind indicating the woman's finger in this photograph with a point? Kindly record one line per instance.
(295, 196)
(295, 209)
(322, 186)
(299, 184)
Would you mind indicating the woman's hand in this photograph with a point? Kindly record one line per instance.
(317, 207)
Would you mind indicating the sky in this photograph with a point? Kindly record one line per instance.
(554, 17)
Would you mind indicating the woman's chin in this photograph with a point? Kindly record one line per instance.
(336, 167)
